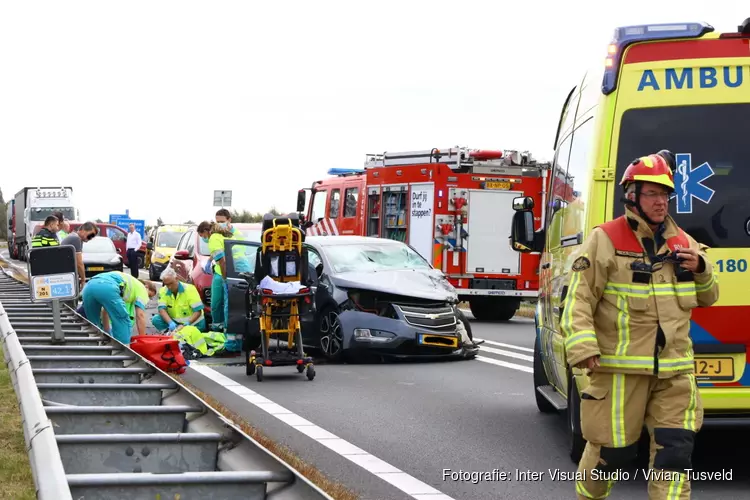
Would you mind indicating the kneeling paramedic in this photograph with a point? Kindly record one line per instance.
(179, 305)
(116, 292)
(627, 320)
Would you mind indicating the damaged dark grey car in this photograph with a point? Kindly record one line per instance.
(372, 296)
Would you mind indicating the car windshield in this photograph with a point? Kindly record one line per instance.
(38, 214)
(711, 202)
(168, 239)
(367, 257)
(99, 245)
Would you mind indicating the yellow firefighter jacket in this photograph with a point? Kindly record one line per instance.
(629, 305)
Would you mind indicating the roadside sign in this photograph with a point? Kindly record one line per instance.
(53, 277)
(140, 225)
(223, 199)
(114, 218)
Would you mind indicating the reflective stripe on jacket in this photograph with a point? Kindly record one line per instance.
(44, 238)
(632, 310)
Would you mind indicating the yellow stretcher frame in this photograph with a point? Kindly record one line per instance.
(282, 238)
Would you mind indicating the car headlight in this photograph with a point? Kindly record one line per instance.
(368, 335)
(115, 260)
(158, 255)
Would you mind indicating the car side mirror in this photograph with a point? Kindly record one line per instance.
(301, 200)
(150, 246)
(523, 203)
(523, 237)
(319, 270)
(182, 255)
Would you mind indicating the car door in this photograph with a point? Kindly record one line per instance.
(310, 331)
(238, 286)
(119, 238)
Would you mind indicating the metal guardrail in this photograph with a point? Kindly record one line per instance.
(100, 422)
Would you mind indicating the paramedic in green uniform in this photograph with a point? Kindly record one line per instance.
(179, 305)
(115, 292)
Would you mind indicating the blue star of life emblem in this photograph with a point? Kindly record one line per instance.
(688, 183)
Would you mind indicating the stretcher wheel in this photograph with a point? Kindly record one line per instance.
(300, 368)
(259, 373)
(310, 372)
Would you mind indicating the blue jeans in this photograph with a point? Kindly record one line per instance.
(162, 325)
(105, 293)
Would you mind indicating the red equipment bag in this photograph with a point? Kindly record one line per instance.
(161, 350)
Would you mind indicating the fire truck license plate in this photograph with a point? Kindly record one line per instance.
(497, 185)
(714, 368)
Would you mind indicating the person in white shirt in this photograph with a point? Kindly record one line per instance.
(134, 244)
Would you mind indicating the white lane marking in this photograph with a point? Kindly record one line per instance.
(509, 346)
(509, 354)
(372, 464)
(497, 362)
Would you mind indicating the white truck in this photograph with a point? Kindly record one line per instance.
(32, 206)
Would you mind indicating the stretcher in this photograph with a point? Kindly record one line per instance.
(277, 297)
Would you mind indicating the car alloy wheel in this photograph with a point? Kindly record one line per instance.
(331, 337)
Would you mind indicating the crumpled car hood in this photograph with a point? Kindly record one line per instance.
(429, 284)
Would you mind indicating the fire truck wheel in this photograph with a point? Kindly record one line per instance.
(494, 308)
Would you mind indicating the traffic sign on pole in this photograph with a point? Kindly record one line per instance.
(223, 199)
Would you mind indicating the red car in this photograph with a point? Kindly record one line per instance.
(191, 256)
(119, 237)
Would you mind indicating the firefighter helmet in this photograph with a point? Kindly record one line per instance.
(657, 168)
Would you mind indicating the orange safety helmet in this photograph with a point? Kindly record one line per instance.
(657, 168)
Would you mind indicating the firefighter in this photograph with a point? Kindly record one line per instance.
(627, 321)
(47, 235)
(116, 293)
(179, 305)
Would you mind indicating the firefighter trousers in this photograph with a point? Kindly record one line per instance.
(614, 408)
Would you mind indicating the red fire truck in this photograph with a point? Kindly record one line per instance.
(452, 205)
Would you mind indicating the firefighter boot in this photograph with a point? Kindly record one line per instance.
(674, 416)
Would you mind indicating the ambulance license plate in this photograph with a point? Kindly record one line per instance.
(497, 185)
(714, 368)
(96, 269)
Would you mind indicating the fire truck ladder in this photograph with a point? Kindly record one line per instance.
(508, 162)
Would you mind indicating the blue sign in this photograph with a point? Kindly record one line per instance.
(140, 225)
(113, 218)
(688, 183)
(61, 290)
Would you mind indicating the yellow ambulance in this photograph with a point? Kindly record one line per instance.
(682, 87)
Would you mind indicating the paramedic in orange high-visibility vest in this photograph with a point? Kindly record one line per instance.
(626, 320)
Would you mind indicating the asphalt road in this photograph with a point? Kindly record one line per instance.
(389, 431)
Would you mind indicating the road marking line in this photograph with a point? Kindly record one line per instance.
(509, 354)
(509, 346)
(372, 464)
(497, 362)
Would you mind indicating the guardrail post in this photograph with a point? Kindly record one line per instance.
(58, 335)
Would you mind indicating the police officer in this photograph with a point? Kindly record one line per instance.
(47, 235)
(627, 320)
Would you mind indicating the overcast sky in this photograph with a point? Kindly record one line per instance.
(174, 99)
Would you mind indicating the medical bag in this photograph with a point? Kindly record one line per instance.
(162, 350)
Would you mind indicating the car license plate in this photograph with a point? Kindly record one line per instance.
(437, 340)
(96, 269)
(497, 185)
(714, 368)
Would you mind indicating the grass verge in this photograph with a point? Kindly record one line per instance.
(15, 471)
(335, 490)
